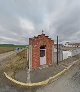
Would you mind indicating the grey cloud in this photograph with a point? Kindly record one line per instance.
(55, 17)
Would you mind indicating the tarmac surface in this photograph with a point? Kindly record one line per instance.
(43, 73)
(39, 75)
(69, 82)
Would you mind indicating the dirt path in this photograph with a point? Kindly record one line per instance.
(5, 57)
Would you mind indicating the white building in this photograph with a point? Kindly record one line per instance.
(67, 44)
(70, 53)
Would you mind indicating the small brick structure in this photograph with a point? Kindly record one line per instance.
(41, 52)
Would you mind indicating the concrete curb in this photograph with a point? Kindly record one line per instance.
(40, 83)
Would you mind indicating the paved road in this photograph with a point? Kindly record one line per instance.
(70, 82)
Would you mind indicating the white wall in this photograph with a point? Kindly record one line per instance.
(76, 51)
(66, 54)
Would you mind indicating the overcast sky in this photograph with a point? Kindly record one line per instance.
(23, 19)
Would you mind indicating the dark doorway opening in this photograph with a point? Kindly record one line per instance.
(43, 55)
(43, 47)
(42, 51)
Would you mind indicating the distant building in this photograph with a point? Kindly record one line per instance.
(67, 44)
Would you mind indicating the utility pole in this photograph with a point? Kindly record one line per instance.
(57, 50)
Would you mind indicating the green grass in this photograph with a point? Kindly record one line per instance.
(12, 46)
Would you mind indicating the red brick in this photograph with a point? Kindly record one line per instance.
(36, 42)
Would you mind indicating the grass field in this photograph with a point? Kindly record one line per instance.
(12, 46)
(7, 48)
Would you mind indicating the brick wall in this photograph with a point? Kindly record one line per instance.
(36, 43)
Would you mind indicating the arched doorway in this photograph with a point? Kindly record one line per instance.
(43, 55)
